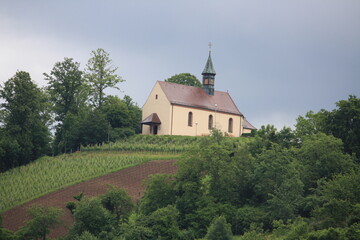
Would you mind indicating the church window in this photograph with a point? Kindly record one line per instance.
(190, 119)
(156, 96)
(210, 126)
(230, 130)
(211, 82)
(206, 81)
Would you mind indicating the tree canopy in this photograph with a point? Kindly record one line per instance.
(185, 79)
(25, 134)
(100, 74)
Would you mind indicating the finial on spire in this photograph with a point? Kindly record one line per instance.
(210, 45)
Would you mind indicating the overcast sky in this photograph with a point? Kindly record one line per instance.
(278, 59)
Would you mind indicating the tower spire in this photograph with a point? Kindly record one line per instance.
(209, 75)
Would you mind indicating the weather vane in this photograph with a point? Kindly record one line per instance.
(210, 45)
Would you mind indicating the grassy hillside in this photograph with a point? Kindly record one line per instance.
(48, 174)
(155, 143)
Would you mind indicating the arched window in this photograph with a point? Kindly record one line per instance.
(230, 130)
(210, 122)
(190, 119)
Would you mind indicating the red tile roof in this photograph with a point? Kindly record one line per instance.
(151, 119)
(196, 97)
(248, 125)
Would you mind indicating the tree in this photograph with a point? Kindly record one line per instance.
(135, 113)
(26, 116)
(312, 123)
(185, 79)
(163, 223)
(219, 230)
(91, 216)
(118, 202)
(339, 201)
(277, 183)
(100, 74)
(160, 192)
(345, 124)
(94, 128)
(68, 94)
(322, 157)
(66, 87)
(43, 219)
(9, 151)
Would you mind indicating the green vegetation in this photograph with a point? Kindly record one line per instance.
(185, 79)
(297, 184)
(48, 174)
(156, 143)
(73, 103)
(42, 220)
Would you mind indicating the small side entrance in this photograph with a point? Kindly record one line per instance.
(155, 129)
(154, 122)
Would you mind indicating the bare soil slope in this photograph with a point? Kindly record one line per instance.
(131, 179)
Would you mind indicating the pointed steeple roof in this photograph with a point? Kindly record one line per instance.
(209, 68)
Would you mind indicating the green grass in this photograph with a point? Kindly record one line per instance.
(155, 143)
(48, 174)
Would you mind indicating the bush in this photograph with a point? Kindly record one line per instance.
(219, 230)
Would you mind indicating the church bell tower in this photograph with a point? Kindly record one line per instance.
(209, 76)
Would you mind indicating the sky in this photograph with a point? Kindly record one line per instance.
(278, 59)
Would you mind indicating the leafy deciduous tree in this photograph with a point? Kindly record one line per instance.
(100, 74)
(91, 216)
(43, 219)
(118, 202)
(25, 117)
(159, 193)
(322, 156)
(185, 79)
(219, 230)
(66, 87)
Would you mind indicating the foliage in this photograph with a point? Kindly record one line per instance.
(339, 201)
(245, 217)
(136, 231)
(43, 219)
(342, 122)
(121, 114)
(322, 156)
(156, 143)
(185, 79)
(291, 230)
(327, 234)
(163, 223)
(86, 236)
(312, 123)
(52, 173)
(9, 151)
(118, 202)
(68, 94)
(66, 88)
(91, 216)
(345, 124)
(160, 192)
(100, 74)
(268, 136)
(25, 121)
(219, 230)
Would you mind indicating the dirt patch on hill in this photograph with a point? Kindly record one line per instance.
(131, 179)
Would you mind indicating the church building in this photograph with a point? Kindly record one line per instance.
(175, 109)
